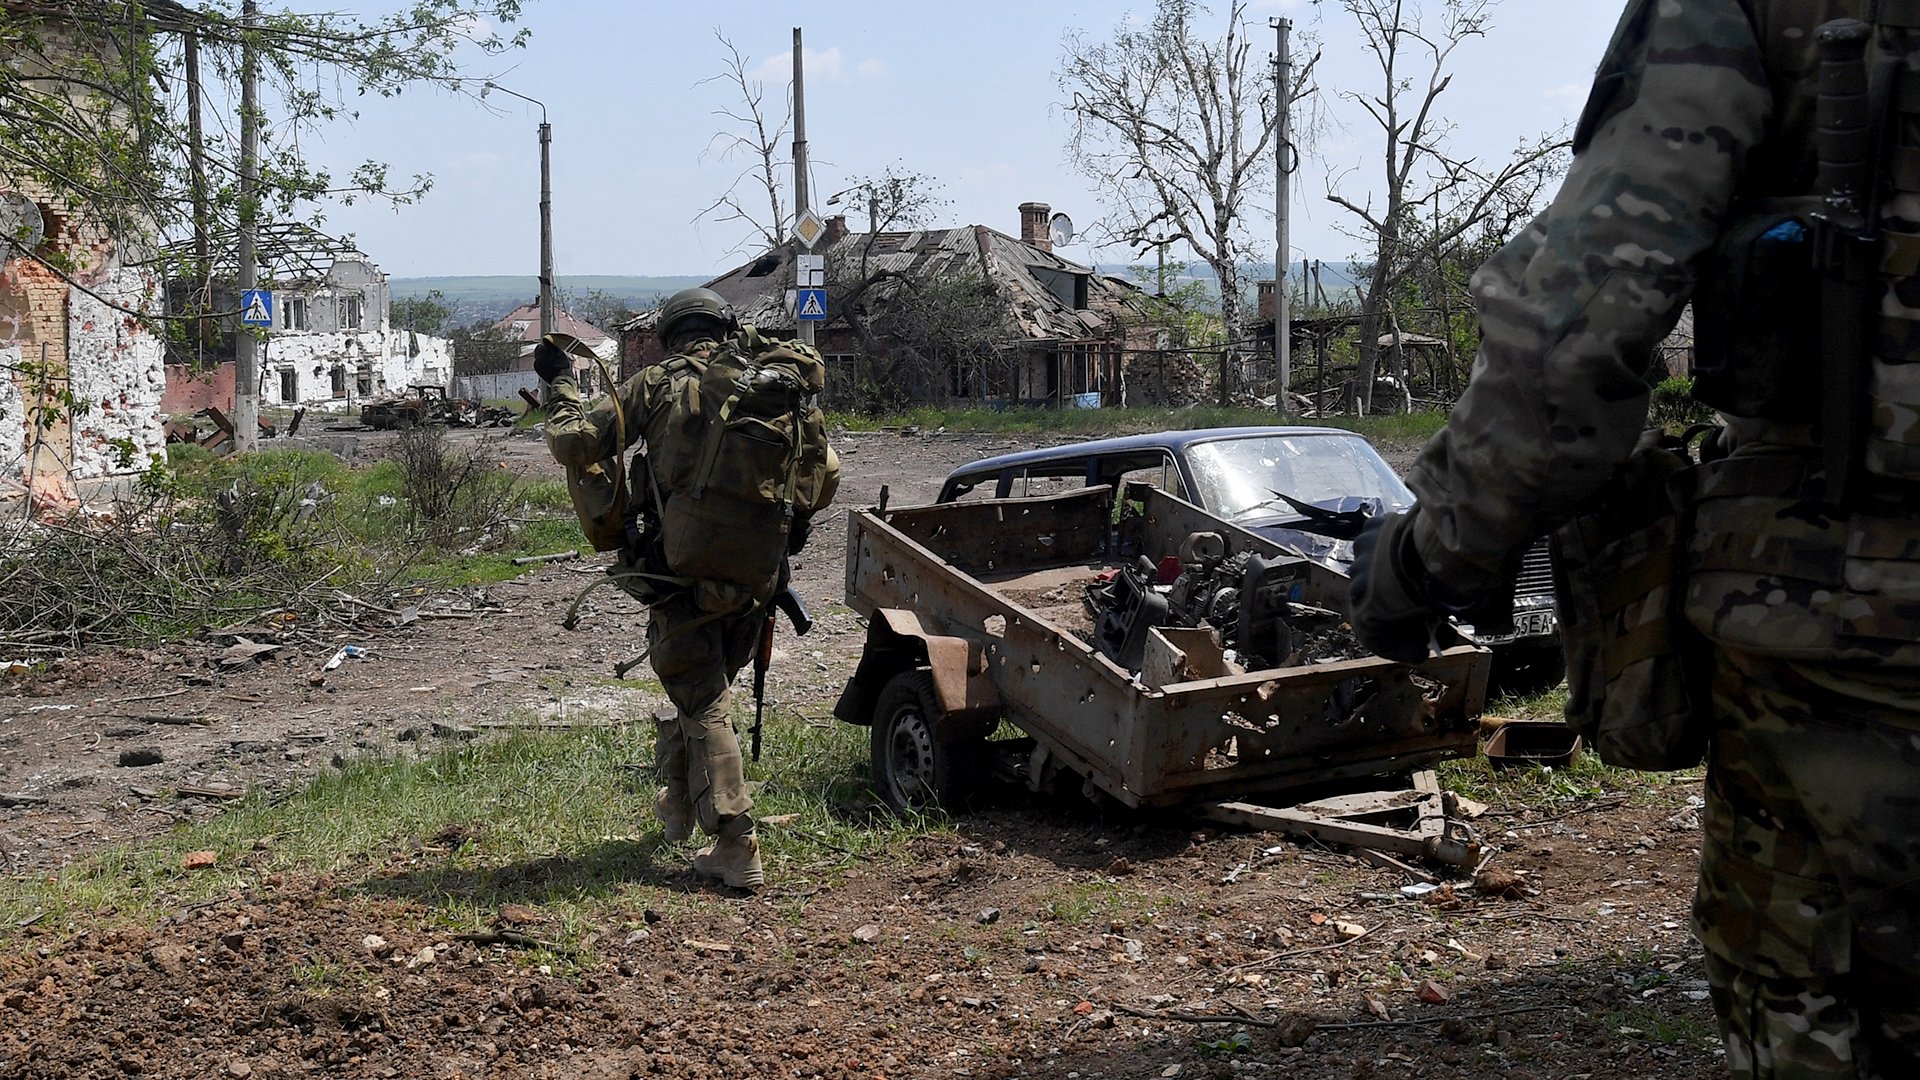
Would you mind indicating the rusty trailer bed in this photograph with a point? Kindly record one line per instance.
(941, 584)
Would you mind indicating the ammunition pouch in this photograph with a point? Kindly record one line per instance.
(1757, 342)
(1637, 672)
(600, 502)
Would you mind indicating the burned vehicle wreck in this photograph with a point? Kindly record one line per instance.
(1308, 489)
(1028, 611)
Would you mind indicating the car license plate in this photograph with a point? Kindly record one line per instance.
(1534, 623)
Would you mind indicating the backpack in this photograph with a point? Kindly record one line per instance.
(735, 453)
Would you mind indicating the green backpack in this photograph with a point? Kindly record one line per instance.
(738, 450)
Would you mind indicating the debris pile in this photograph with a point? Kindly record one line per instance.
(1251, 603)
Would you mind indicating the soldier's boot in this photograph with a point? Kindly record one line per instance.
(732, 859)
(676, 815)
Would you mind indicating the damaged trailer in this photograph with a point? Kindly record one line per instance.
(977, 616)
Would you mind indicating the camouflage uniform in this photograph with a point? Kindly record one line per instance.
(1808, 887)
(695, 654)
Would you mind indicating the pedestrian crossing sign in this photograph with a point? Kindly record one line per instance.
(256, 307)
(811, 305)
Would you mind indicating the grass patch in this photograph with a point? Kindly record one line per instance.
(558, 818)
(1655, 1026)
(1092, 423)
(1588, 778)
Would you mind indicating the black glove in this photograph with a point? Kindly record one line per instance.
(797, 536)
(1392, 612)
(549, 362)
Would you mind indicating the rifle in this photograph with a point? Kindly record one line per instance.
(789, 602)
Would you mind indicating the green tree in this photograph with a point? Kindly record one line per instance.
(122, 115)
(1176, 130)
(430, 314)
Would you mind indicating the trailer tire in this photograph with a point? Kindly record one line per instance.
(917, 764)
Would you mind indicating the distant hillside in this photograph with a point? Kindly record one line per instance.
(477, 298)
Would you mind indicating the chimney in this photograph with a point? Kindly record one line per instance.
(1035, 228)
(836, 228)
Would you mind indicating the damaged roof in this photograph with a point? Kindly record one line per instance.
(1052, 298)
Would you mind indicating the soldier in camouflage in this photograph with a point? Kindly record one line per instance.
(1809, 896)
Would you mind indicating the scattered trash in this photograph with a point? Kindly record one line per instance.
(1347, 931)
(989, 916)
(1418, 889)
(1533, 742)
(346, 653)
(1433, 993)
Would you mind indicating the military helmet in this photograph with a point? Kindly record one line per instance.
(694, 304)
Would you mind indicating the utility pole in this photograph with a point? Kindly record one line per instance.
(246, 365)
(546, 208)
(546, 226)
(800, 207)
(197, 168)
(1282, 197)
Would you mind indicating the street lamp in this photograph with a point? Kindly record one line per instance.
(546, 211)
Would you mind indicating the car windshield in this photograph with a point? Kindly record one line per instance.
(1233, 476)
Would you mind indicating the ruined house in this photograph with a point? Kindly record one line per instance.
(331, 345)
(80, 372)
(1058, 330)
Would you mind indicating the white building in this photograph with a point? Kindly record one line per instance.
(332, 344)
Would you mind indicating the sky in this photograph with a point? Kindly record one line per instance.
(961, 90)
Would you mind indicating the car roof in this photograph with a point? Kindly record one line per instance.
(1171, 441)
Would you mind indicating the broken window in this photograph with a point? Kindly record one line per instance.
(349, 313)
(295, 308)
(289, 385)
(339, 381)
(363, 383)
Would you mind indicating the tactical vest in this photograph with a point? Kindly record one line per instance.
(735, 451)
(1758, 332)
(1778, 565)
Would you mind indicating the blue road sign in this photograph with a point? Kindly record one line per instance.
(811, 305)
(256, 307)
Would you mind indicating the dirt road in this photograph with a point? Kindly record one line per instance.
(1024, 941)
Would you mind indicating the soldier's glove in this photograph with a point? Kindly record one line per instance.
(1392, 612)
(797, 536)
(549, 362)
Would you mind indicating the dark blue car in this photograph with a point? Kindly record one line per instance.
(1309, 488)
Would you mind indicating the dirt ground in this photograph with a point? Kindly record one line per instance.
(1028, 941)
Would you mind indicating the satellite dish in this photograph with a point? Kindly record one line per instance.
(21, 221)
(1060, 226)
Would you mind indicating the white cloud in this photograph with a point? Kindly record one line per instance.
(822, 66)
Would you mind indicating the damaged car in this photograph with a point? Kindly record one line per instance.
(1310, 489)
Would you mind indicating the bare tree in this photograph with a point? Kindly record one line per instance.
(1176, 131)
(1422, 181)
(757, 138)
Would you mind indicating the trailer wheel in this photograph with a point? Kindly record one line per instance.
(915, 765)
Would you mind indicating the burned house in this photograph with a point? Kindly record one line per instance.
(967, 314)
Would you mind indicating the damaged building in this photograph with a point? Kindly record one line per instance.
(332, 344)
(967, 314)
(81, 373)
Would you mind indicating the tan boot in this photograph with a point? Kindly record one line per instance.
(732, 859)
(676, 816)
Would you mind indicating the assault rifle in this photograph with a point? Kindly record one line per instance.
(787, 601)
